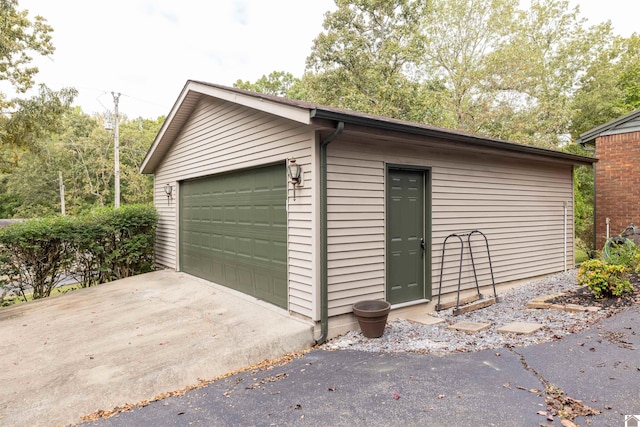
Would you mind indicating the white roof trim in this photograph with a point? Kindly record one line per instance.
(290, 112)
(163, 129)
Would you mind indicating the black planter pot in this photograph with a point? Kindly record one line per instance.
(372, 317)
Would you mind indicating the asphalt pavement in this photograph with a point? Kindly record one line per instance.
(596, 371)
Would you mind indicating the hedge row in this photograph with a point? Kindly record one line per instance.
(105, 245)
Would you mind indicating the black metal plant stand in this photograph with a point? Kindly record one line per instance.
(459, 236)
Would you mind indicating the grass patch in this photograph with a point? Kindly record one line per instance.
(15, 299)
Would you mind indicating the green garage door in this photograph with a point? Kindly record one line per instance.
(233, 231)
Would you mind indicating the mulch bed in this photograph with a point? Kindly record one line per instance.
(584, 297)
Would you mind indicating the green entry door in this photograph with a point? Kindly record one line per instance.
(233, 231)
(407, 240)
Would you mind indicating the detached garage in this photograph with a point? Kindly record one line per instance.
(366, 218)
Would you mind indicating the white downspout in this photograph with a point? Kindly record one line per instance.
(565, 235)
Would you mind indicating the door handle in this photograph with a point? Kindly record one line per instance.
(422, 243)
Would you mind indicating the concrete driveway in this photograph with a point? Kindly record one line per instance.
(131, 340)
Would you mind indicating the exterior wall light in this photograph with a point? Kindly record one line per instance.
(168, 189)
(294, 171)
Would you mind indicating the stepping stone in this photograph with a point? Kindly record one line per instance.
(476, 305)
(538, 304)
(425, 319)
(452, 303)
(469, 327)
(520, 328)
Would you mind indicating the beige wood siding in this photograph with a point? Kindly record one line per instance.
(518, 204)
(221, 136)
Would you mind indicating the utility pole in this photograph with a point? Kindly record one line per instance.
(62, 206)
(116, 152)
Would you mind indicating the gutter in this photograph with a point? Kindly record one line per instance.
(444, 134)
(324, 250)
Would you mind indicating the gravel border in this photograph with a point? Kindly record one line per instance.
(406, 336)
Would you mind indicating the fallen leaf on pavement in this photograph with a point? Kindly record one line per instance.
(396, 396)
(265, 365)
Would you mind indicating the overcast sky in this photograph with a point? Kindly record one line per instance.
(147, 49)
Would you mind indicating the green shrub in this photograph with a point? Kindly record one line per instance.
(107, 244)
(89, 247)
(129, 240)
(581, 255)
(604, 280)
(620, 251)
(35, 254)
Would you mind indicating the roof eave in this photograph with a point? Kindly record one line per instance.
(590, 135)
(154, 156)
(468, 139)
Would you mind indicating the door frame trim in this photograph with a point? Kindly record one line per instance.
(427, 176)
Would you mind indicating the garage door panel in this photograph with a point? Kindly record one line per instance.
(233, 231)
(279, 253)
(230, 245)
(280, 217)
(217, 270)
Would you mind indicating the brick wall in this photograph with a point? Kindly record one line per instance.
(617, 184)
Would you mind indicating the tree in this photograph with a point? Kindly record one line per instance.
(460, 36)
(23, 121)
(482, 66)
(583, 190)
(365, 57)
(610, 88)
(278, 83)
(136, 138)
(547, 55)
(19, 39)
(82, 149)
(36, 116)
(42, 136)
